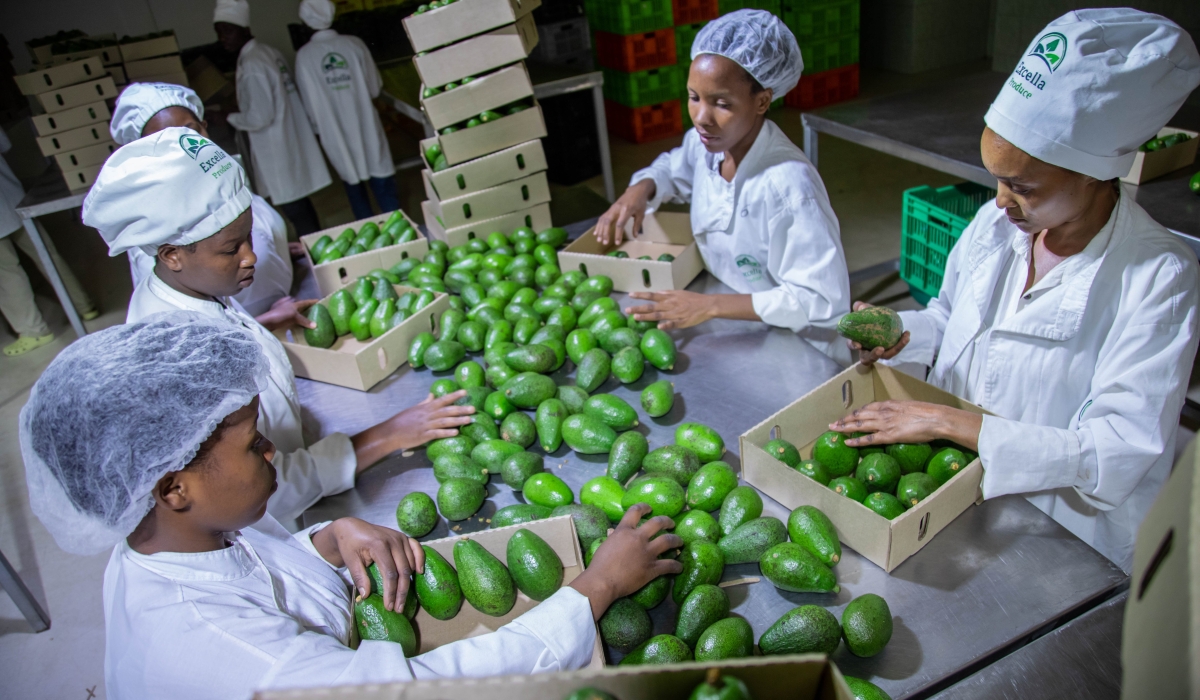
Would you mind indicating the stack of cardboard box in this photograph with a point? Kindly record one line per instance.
(153, 58)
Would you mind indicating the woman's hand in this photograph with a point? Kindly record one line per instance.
(427, 421)
(285, 313)
(628, 559)
(673, 308)
(631, 204)
(870, 357)
(355, 544)
(890, 422)
(296, 250)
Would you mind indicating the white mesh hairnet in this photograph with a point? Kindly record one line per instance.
(120, 408)
(759, 42)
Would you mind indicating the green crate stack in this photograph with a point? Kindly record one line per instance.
(727, 6)
(932, 223)
(646, 87)
(826, 31)
(628, 16)
(685, 34)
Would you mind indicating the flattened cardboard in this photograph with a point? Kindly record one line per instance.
(479, 54)
(332, 276)
(48, 79)
(462, 19)
(88, 155)
(72, 96)
(885, 542)
(74, 139)
(1152, 164)
(536, 218)
(485, 139)
(662, 232)
(467, 209)
(47, 124)
(494, 169)
(493, 90)
(150, 48)
(361, 364)
(140, 71)
(81, 178)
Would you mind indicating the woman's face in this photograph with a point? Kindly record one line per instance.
(219, 266)
(723, 106)
(233, 480)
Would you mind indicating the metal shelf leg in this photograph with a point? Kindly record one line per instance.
(35, 231)
(26, 603)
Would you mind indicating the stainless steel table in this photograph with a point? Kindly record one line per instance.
(48, 195)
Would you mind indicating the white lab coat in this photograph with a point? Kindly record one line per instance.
(338, 79)
(272, 272)
(268, 612)
(1086, 376)
(287, 160)
(11, 192)
(770, 233)
(306, 474)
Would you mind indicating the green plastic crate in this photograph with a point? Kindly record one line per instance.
(829, 53)
(685, 34)
(629, 16)
(813, 21)
(645, 87)
(932, 223)
(727, 6)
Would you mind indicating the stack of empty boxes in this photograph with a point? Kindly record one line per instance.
(485, 168)
(828, 36)
(153, 58)
(79, 47)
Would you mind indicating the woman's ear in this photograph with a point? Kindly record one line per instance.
(174, 490)
(170, 256)
(764, 101)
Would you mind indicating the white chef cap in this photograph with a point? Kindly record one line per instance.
(174, 186)
(119, 409)
(232, 11)
(757, 41)
(317, 14)
(1093, 86)
(141, 101)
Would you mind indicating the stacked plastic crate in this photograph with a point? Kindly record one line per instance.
(690, 18)
(828, 36)
(485, 166)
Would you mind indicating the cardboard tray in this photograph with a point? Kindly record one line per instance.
(108, 55)
(141, 71)
(479, 54)
(485, 139)
(74, 139)
(47, 124)
(81, 178)
(1147, 166)
(885, 542)
(359, 364)
(149, 49)
(75, 95)
(536, 218)
(462, 19)
(48, 79)
(493, 90)
(83, 157)
(662, 232)
(467, 209)
(332, 276)
(493, 169)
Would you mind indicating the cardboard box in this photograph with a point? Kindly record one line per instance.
(885, 542)
(108, 55)
(332, 276)
(469, 144)
(118, 75)
(83, 157)
(1152, 164)
(81, 178)
(149, 48)
(536, 218)
(84, 93)
(467, 209)
(48, 79)
(664, 232)
(205, 79)
(478, 55)
(491, 91)
(462, 19)
(47, 124)
(488, 171)
(138, 71)
(74, 139)
(179, 78)
(360, 364)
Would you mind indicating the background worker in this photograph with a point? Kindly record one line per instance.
(338, 79)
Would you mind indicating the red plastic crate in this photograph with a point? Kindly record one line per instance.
(642, 124)
(693, 11)
(825, 88)
(636, 52)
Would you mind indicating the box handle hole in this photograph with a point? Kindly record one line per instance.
(87, 69)
(528, 221)
(54, 124)
(55, 142)
(94, 134)
(583, 269)
(99, 90)
(466, 211)
(432, 324)
(847, 394)
(1160, 555)
(520, 161)
(470, 235)
(382, 355)
(646, 278)
(923, 527)
(462, 183)
(49, 83)
(59, 100)
(74, 160)
(776, 432)
(342, 273)
(525, 192)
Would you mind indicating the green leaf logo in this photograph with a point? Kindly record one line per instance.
(1051, 48)
(193, 143)
(333, 61)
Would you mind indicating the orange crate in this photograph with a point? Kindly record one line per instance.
(693, 11)
(825, 88)
(636, 52)
(642, 124)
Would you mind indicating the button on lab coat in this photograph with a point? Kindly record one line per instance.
(1086, 377)
(268, 613)
(272, 272)
(287, 160)
(337, 80)
(306, 474)
(770, 233)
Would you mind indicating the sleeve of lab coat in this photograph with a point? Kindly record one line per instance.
(305, 83)
(672, 173)
(256, 100)
(306, 476)
(370, 72)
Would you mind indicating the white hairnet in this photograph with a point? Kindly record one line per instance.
(232, 11)
(139, 102)
(317, 14)
(120, 408)
(759, 42)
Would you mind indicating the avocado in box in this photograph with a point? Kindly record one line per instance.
(488, 133)
(466, 209)
(477, 55)
(663, 257)
(536, 218)
(1169, 150)
(510, 164)
(459, 19)
(341, 254)
(458, 102)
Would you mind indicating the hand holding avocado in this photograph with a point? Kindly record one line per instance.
(869, 356)
(890, 422)
(427, 421)
(356, 545)
(285, 313)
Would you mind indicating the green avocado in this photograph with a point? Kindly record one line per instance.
(849, 487)
(517, 468)
(442, 387)
(572, 397)
(531, 358)
(528, 389)
(879, 472)
(612, 411)
(702, 563)
(705, 605)
(449, 323)
(663, 649)
(702, 440)
(884, 504)
(872, 327)
(600, 284)
(751, 539)
(590, 522)
(457, 466)
(618, 339)
(548, 422)
(650, 595)
(325, 332)
(360, 321)
(607, 322)
(783, 451)
(915, 488)
(591, 551)
(910, 457)
(832, 451)
(444, 354)
(596, 309)
(664, 496)
(658, 398)
(791, 567)
(626, 455)
(677, 462)
(485, 582)
(697, 525)
(867, 625)
(710, 485)
(546, 489)
(476, 395)
(457, 445)
(731, 638)
(459, 499)
(717, 687)
(628, 365)
(945, 464)
(482, 428)
(472, 335)
(588, 435)
(625, 625)
(518, 428)
(416, 351)
(814, 531)
(593, 369)
(862, 690)
(491, 454)
(416, 514)
(659, 349)
(519, 513)
(535, 567)
(605, 493)
(814, 470)
(341, 307)
(808, 629)
(437, 588)
(741, 505)
(375, 622)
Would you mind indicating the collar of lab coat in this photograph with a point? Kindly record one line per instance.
(746, 168)
(323, 34)
(189, 303)
(228, 564)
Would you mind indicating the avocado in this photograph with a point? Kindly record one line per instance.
(884, 504)
(867, 625)
(716, 686)
(861, 690)
(485, 583)
(499, 332)
(783, 451)
(814, 531)
(517, 468)
(705, 605)
(915, 488)
(703, 563)
(591, 551)
(791, 567)
(628, 364)
(381, 319)
(945, 464)
(593, 369)
(341, 307)
(416, 514)
(375, 622)
(608, 321)
(741, 505)
(437, 588)
(659, 349)
(596, 309)
(457, 445)
(625, 625)
(528, 389)
(546, 489)
(444, 354)
(879, 472)
(472, 335)
(664, 496)
(587, 435)
(663, 649)
(572, 397)
(650, 595)
(360, 322)
(710, 485)
(563, 316)
(849, 487)
(498, 374)
(658, 398)
(578, 342)
(872, 327)
(814, 470)
(456, 466)
(626, 455)
(518, 428)
(910, 457)
(612, 411)
(535, 567)
(701, 439)
(697, 525)
(590, 522)
(443, 387)
(559, 350)
(519, 513)
(605, 493)
(490, 454)
(531, 358)
(482, 428)
(731, 638)
(751, 539)
(583, 299)
(618, 339)
(832, 451)
(548, 422)
(325, 333)
(677, 462)
(448, 324)
(476, 396)
(808, 629)
(497, 405)
(459, 499)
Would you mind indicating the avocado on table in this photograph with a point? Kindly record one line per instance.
(783, 451)
(534, 565)
(731, 638)
(626, 455)
(867, 625)
(791, 567)
(677, 462)
(457, 445)
(481, 429)
(443, 355)
(750, 540)
(662, 649)
(658, 398)
(416, 514)
(628, 364)
(612, 411)
(588, 435)
(519, 429)
(832, 451)
(517, 468)
(865, 690)
(872, 327)
(617, 339)
(702, 440)
(531, 358)
(593, 369)
(519, 513)
(710, 485)
(485, 582)
(605, 493)
(375, 622)
(625, 625)
(808, 527)
(650, 595)
(546, 489)
(590, 522)
(459, 499)
(703, 562)
(663, 495)
(490, 454)
(437, 587)
(548, 422)
(659, 349)
(808, 629)
(697, 525)
(741, 505)
(527, 389)
(704, 605)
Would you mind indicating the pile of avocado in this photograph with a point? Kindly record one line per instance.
(422, 9)
(718, 686)
(665, 257)
(434, 156)
(1158, 144)
(371, 236)
(367, 310)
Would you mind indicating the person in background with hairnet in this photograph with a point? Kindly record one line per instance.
(143, 438)
(338, 79)
(759, 211)
(182, 199)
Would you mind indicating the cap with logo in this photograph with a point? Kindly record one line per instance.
(139, 102)
(232, 11)
(1093, 86)
(172, 187)
(317, 14)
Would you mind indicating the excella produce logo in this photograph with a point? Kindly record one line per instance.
(1050, 50)
(337, 72)
(750, 268)
(194, 145)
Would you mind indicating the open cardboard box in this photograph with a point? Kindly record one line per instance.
(885, 542)
(47, 124)
(462, 19)
(83, 157)
(490, 91)
(75, 95)
(536, 217)
(479, 54)
(75, 139)
(494, 169)
(48, 79)
(1152, 164)
(466, 209)
(149, 48)
(469, 144)
(361, 364)
(662, 232)
(332, 276)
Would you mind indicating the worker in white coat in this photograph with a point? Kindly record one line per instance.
(1065, 309)
(338, 79)
(207, 597)
(178, 196)
(147, 108)
(287, 160)
(759, 210)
